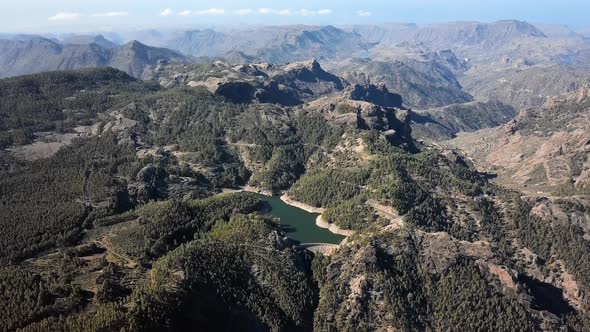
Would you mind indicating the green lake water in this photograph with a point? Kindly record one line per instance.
(299, 224)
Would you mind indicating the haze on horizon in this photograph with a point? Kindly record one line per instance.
(37, 16)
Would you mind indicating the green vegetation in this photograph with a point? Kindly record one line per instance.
(237, 285)
(243, 229)
(419, 186)
(28, 297)
(46, 203)
(168, 224)
(354, 214)
(464, 300)
(322, 188)
(234, 275)
(565, 242)
(410, 298)
(60, 100)
(125, 231)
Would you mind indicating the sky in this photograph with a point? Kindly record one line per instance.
(45, 16)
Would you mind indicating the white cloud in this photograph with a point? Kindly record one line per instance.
(167, 12)
(244, 11)
(363, 13)
(184, 13)
(211, 11)
(289, 12)
(64, 16)
(305, 12)
(111, 14)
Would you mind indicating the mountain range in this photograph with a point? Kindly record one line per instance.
(32, 55)
(431, 66)
(139, 182)
(445, 170)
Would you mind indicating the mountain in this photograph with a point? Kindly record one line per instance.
(88, 39)
(25, 37)
(18, 57)
(422, 84)
(289, 85)
(543, 149)
(237, 57)
(558, 31)
(40, 54)
(142, 203)
(135, 58)
(198, 42)
(475, 34)
(497, 42)
(390, 33)
(446, 122)
(276, 44)
(472, 42)
(524, 86)
(134, 185)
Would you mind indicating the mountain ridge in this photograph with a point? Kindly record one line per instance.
(41, 54)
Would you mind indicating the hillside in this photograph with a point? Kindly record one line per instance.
(132, 213)
(524, 86)
(422, 84)
(466, 34)
(275, 44)
(478, 42)
(446, 122)
(20, 57)
(429, 65)
(288, 85)
(88, 39)
(543, 149)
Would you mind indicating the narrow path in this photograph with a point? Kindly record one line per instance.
(387, 212)
(106, 243)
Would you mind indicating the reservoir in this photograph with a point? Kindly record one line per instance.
(298, 224)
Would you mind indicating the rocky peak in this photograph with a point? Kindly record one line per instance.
(133, 45)
(518, 27)
(306, 70)
(307, 77)
(378, 95)
(89, 39)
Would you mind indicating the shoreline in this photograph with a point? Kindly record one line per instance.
(319, 221)
(305, 207)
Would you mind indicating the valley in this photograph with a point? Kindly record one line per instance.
(377, 177)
